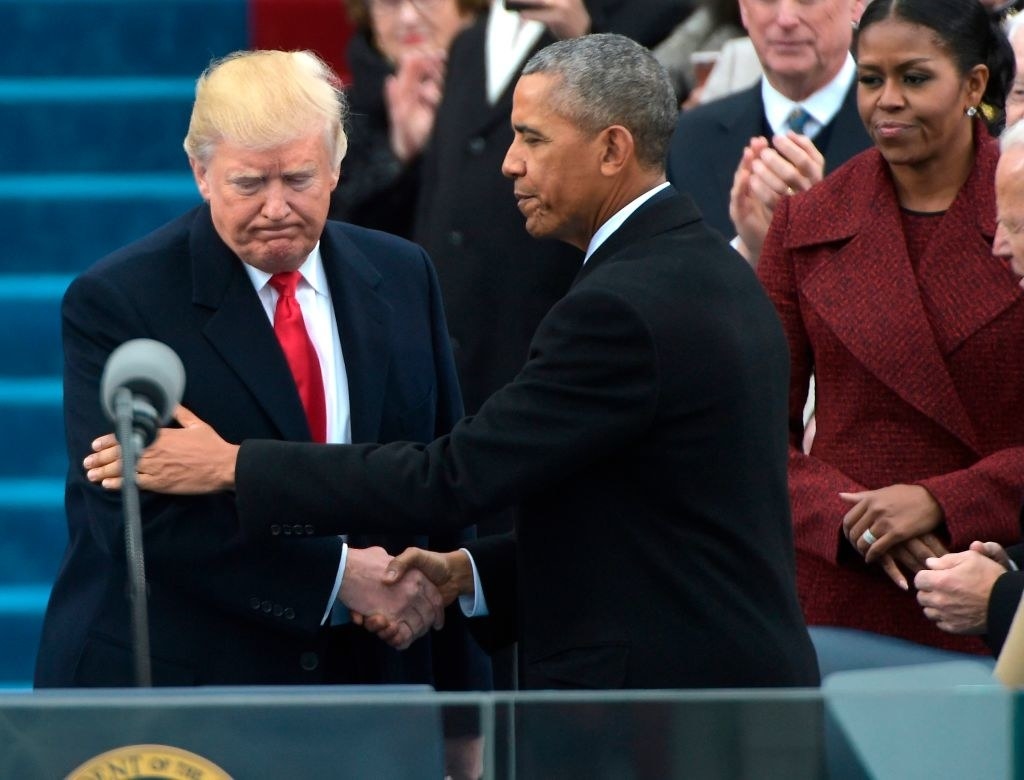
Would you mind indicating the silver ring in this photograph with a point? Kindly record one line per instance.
(868, 538)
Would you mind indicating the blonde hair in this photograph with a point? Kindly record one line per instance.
(261, 99)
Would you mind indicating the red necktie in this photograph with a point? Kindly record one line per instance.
(300, 353)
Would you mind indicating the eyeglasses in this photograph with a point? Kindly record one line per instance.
(392, 6)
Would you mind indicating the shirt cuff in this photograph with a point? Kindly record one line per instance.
(475, 605)
(340, 610)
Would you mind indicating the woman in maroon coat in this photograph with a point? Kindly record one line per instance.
(884, 277)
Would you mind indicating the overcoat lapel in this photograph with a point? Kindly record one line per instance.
(907, 343)
(240, 332)
(364, 325)
(737, 126)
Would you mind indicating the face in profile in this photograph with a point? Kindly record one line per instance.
(554, 166)
(1009, 241)
(404, 26)
(1015, 100)
(911, 95)
(269, 205)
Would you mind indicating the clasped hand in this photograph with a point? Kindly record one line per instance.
(898, 522)
(451, 573)
(955, 589)
(408, 605)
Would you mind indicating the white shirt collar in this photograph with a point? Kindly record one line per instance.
(615, 221)
(312, 271)
(822, 105)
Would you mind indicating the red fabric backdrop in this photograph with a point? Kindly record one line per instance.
(320, 25)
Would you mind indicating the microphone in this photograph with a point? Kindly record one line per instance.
(141, 384)
(154, 378)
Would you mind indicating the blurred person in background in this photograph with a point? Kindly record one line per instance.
(805, 104)
(1015, 100)
(397, 57)
(704, 32)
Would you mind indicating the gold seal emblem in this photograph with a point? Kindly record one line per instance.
(148, 762)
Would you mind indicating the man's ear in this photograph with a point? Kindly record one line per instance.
(199, 174)
(617, 148)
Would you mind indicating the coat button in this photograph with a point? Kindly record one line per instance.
(455, 238)
(275, 530)
(266, 606)
(477, 146)
(289, 613)
(309, 530)
(309, 661)
(254, 602)
(278, 610)
(298, 530)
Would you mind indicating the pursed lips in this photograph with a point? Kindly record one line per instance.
(521, 199)
(891, 129)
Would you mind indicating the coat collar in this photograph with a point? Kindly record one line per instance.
(904, 337)
(666, 210)
(238, 328)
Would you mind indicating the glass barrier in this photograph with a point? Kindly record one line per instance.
(940, 721)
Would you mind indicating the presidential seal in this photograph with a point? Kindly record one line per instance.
(148, 762)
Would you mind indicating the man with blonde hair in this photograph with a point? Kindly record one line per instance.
(289, 327)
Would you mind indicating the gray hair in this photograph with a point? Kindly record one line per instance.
(1012, 137)
(606, 80)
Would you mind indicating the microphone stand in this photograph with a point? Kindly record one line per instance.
(131, 447)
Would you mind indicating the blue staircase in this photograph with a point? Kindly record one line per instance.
(94, 104)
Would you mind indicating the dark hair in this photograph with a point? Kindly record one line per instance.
(965, 30)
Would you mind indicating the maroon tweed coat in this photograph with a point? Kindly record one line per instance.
(920, 379)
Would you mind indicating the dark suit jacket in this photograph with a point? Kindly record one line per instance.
(224, 610)
(645, 443)
(918, 373)
(1003, 603)
(709, 141)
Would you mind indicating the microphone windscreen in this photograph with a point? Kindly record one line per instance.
(148, 368)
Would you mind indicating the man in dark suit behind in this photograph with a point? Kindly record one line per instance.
(645, 438)
(265, 143)
(804, 49)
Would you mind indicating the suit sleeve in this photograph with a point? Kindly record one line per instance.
(814, 485)
(495, 559)
(982, 501)
(1002, 606)
(590, 384)
(191, 543)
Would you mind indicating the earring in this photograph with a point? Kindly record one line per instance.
(971, 111)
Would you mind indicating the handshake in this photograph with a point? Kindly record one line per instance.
(399, 599)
